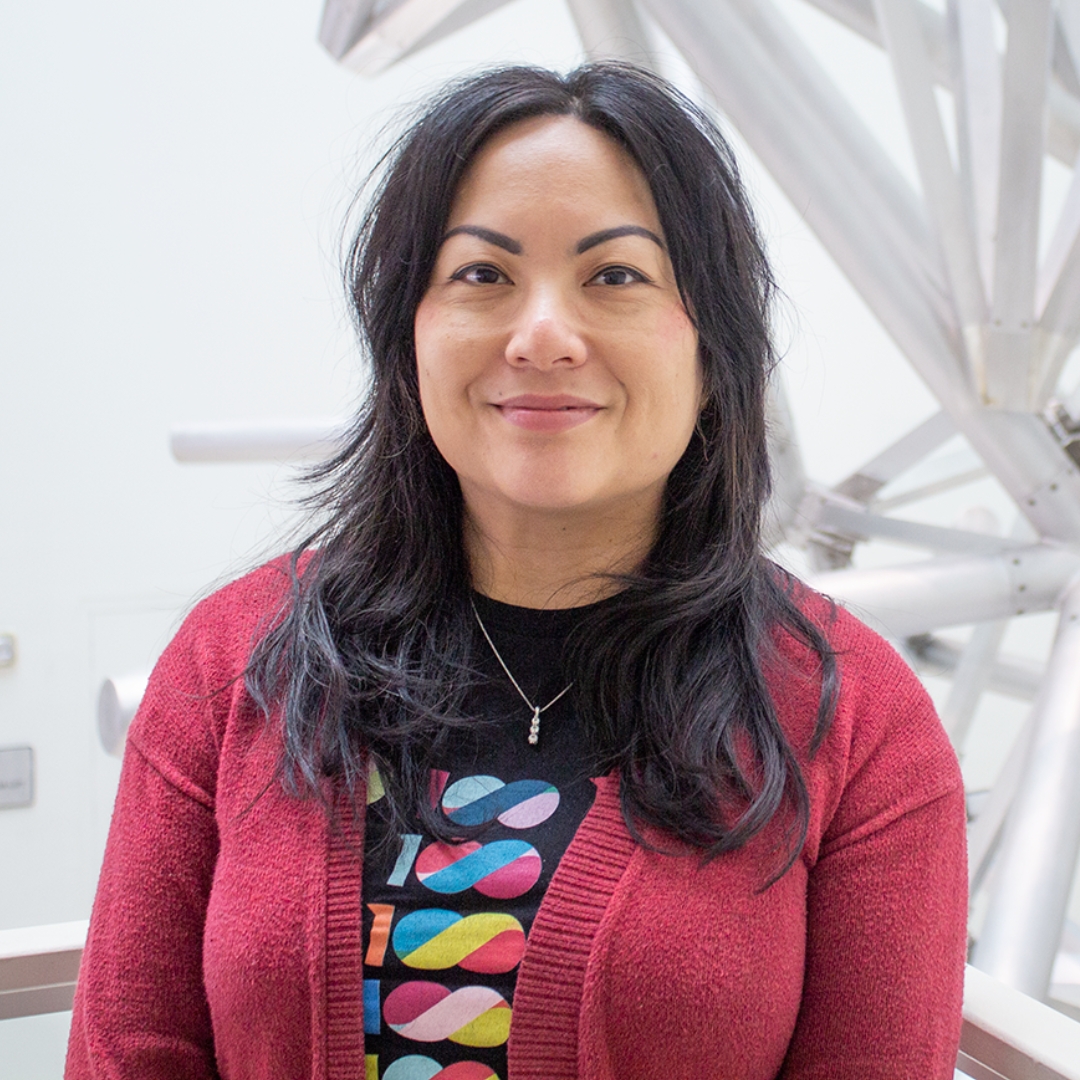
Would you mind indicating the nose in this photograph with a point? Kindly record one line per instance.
(545, 333)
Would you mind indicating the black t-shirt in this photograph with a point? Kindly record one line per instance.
(445, 925)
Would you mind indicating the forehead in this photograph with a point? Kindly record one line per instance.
(554, 165)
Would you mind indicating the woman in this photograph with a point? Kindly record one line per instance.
(535, 634)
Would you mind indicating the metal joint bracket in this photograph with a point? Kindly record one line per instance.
(1009, 368)
(1065, 428)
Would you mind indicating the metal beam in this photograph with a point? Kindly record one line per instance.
(270, 440)
(1063, 136)
(857, 15)
(1058, 287)
(1068, 225)
(970, 679)
(813, 91)
(1063, 64)
(612, 30)
(1068, 38)
(935, 487)
(918, 597)
(1014, 676)
(861, 17)
(976, 665)
(977, 97)
(1039, 849)
(985, 832)
(468, 12)
(785, 461)
(118, 701)
(831, 168)
(867, 480)
(1011, 362)
(1031, 464)
(906, 45)
(342, 24)
(825, 513)
(1058, 299)
(389, 37)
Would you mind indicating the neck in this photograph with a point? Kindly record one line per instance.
(554, 560)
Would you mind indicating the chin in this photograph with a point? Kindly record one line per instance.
(554, 502)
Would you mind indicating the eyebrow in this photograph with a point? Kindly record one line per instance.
(499, 239)
(508, 243)
(604, 235)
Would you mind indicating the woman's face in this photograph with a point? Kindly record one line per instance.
(557, 365)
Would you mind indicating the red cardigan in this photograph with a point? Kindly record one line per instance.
(225, 937)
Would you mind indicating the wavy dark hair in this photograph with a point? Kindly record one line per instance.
(371, 655)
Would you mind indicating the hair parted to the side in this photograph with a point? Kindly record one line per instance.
(372, 654)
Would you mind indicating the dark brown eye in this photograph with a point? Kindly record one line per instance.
(617, 275)
(480, 274)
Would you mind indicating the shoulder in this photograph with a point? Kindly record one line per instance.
(885, 753)
(196, 697)
(875, 683)
(232, 618)
(882, 707)
(873, 679)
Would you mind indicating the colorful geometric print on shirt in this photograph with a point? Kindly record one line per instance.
(445, 925)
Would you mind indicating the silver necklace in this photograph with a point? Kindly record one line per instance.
(536, 710)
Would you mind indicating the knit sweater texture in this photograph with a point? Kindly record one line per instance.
(225, 936)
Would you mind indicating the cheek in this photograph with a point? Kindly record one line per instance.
(434, 358)
(437, 407)
(676, 332)
(449, 348)
(426, 334)
(683, 339)
(444, 378)
(684, 377)
(433, 391)
(683, 386)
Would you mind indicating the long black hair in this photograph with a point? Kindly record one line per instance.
(370, 658)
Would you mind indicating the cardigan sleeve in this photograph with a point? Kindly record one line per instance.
(140, 1006)
(887, 889)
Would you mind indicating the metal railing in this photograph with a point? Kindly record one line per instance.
(1006, 1035)
(1010, 1036)
(38, 968)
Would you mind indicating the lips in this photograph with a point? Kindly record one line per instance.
(547, 412)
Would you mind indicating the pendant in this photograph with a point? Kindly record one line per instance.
(534, 727)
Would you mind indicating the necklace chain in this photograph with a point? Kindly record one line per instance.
(534, 723)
